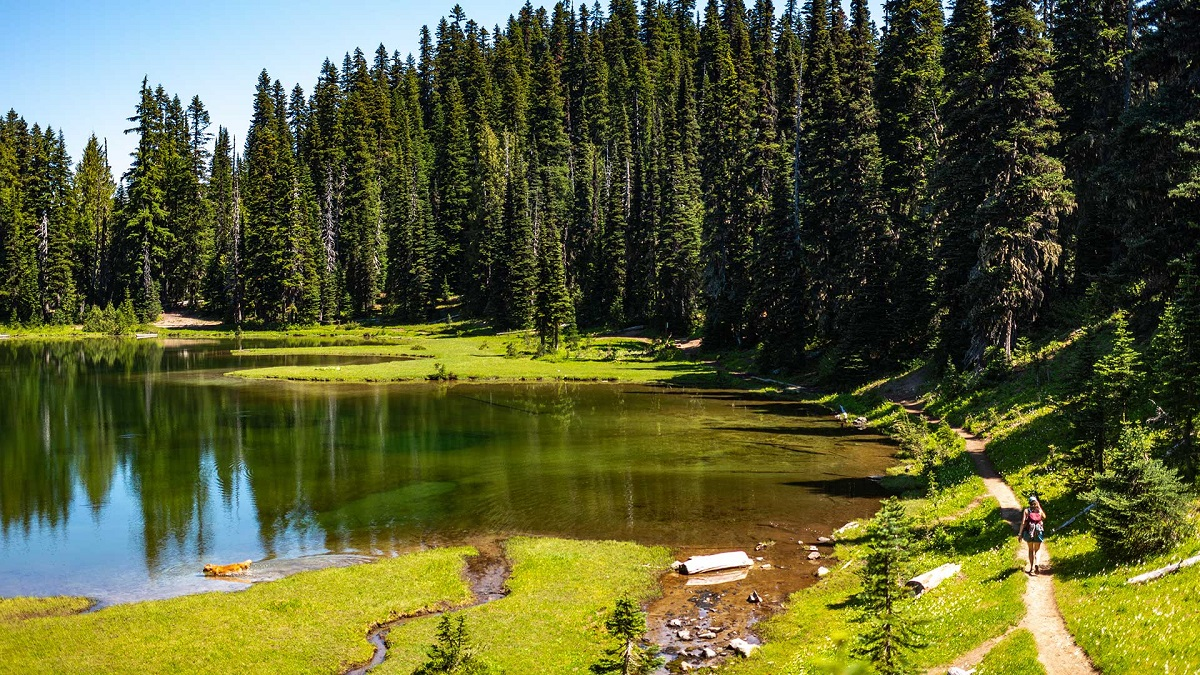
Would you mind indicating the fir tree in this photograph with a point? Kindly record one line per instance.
(224, 276)
(452, 654)
(1141, 505)
(360, 226)
(1027, 190)
(910, 93)
(94, 227)
(726, 115)
(961, 182)
(1115, 380)
(146, 233)
(20, 299)
(627, 623)
(550, 188)
(1175, 355)
(889, 636)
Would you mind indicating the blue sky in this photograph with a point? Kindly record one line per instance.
(78, 65)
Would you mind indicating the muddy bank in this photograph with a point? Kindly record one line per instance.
(698, 615)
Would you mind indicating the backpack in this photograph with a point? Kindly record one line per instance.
(1036, 528)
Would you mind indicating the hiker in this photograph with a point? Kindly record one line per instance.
(1033, 531)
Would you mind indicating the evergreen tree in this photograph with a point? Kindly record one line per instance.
(961, 182)
(1175, 355)
(1156, 165)
(781, 267)
(1104, 412)
(1141, 505)
(410, 268)
(19, 294)
(453, 206)
(861, 236)
(452, 654)
(1019, 245)
(550, 195)
(909, 94)
(146, 232)
(889, 635)
(726, 115)
(321, 149)
(223, 278)
(94, 227)
(627, 623)
(360, 233)
(1091, 71)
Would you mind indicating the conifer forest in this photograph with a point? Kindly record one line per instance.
(787, 178)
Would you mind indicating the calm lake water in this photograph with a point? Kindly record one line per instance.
(125, 466)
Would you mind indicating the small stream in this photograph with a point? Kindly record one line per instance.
(487, 573)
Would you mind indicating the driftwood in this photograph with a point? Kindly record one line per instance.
(718, 561)
(1162, 572)
(145, 336)
(933, 578)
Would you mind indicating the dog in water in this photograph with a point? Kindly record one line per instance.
(211, 570)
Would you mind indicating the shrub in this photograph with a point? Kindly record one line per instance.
(1141, 505)
(96, 320)
(440, 374)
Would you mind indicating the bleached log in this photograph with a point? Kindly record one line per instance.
(717, 561)
(1164, 571)
(933, 578)
(1074, 517)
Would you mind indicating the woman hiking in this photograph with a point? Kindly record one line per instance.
(1033, 531)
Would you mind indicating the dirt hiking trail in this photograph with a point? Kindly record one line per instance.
(1057, 650)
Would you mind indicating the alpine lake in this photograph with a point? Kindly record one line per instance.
(125, 466)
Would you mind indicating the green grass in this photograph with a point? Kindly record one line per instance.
(1147, 628)
(472, 358)
(980, 604)
(1014, 655)
(19, 609)
(1122, 628)
(552, 621)
(313, 622)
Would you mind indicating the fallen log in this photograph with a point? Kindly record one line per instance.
(933, 578)
(1074, 518)
(1164, 571)
(717, 561)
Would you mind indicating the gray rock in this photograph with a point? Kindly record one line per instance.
(742, 647)
(684, 634)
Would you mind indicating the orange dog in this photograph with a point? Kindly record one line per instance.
(211, 570)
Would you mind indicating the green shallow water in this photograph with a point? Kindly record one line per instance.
(127, 465)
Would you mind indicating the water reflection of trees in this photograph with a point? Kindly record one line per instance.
(354, 466)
